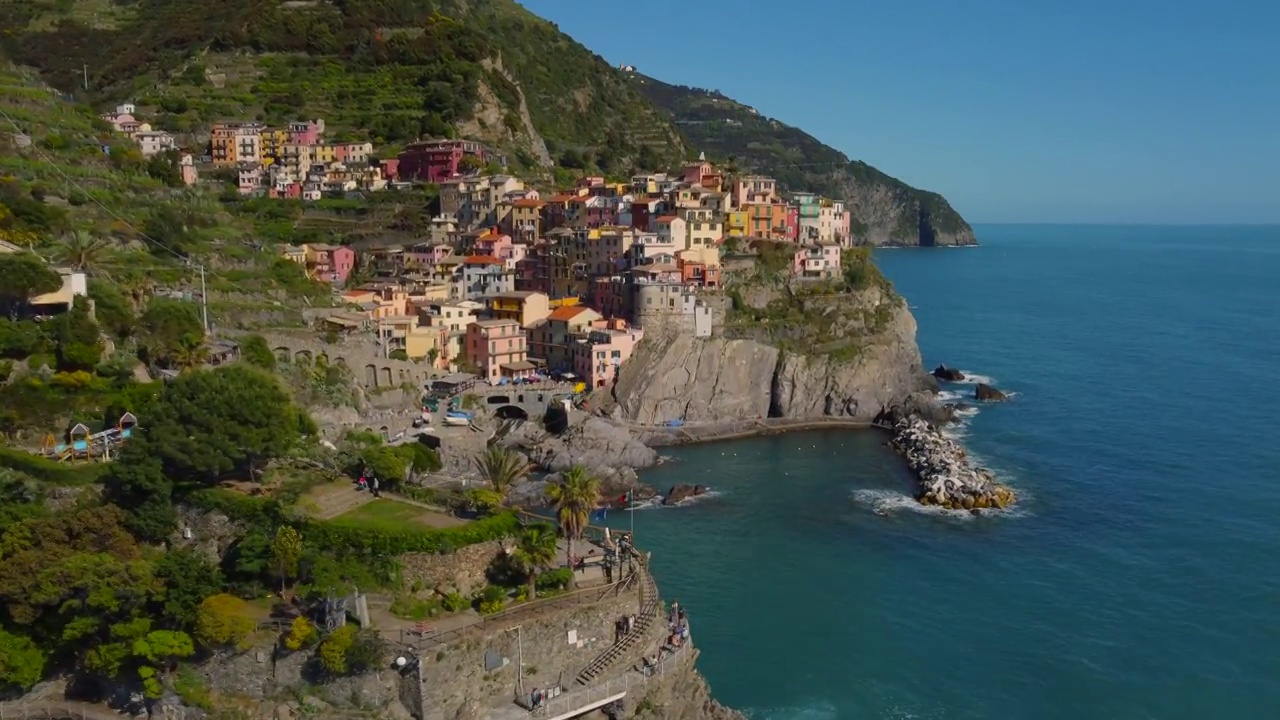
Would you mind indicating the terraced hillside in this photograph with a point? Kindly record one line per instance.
(385, 70)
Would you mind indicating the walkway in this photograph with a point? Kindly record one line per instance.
(650, 604)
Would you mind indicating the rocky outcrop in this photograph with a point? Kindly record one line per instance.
(947, 478)
(703, 380)
(942, 372)
(680, 493)
(988, 393)
(598, 445)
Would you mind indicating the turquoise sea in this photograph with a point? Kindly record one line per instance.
(1139, 577)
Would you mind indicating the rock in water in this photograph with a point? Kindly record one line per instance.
(942, 372)
(988, 393)
(682, 492)
(943, 471)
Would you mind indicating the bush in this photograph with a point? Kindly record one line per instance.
(223, 620)
(302, 633)
(454, 602)
(557, 579)
(50, 471)
(491, 600)
(341, 535)
(415, 608)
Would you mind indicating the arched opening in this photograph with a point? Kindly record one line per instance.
(283, 354)
(386, 433)
(322, 359)
(340, 361)
(370, 376)
(498, 400)
(512, 412)
(386, 377)
(302, 356)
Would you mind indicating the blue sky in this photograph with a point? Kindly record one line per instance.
(1071, 111)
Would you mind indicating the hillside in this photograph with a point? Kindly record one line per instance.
(76, 192)
(389, 71)
(886, 210)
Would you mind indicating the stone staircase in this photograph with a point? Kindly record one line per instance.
(338, 502)
(649, 607)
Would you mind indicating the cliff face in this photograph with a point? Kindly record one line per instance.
(854, 356)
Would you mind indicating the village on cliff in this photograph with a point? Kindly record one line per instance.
(512, 283)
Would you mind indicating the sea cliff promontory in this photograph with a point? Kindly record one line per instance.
(802, 352)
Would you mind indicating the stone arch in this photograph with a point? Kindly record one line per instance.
(340, 361)
(370, 375)
(282, 354)
(322, 359)
(386, 377)
(498, 400)
(386, 432)
(302, 356)
(404, 375)
(512, 412)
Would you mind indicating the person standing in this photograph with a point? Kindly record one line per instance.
(374, 487)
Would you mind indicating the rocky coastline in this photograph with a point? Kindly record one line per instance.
(944, 471)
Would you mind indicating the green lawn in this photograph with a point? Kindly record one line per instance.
(391, 513)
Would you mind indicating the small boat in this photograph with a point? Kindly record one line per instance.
(458, 418)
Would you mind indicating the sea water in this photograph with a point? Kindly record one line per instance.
(1138, 578)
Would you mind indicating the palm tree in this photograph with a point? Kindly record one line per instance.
(535, 551)
(502, 468)
(189, 353)
(83, 252)
(137, 287)
(574, 496)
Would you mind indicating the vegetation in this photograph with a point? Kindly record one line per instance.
(743, 140)
(389, 72)
(535, 551)
(574, 496)
(502, 468)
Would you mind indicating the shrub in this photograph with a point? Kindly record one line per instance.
(332, 653)
(223, 620)
(341, 535)
(491, 600)
(557, 579)
(50, 471)
(455, 602)
(302, 633)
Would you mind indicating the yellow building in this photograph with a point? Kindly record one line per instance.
(273, 141)
(525, 307)
(736, 223)
(324, 153)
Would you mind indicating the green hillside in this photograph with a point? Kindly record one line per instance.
(390, 71)
(885, 209)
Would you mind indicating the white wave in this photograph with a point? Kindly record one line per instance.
(655, 503)
(888, 502)
(972, 378)
(951, 396)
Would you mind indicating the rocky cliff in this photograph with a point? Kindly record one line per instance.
(785, 353)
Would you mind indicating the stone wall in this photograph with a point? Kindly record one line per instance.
(363, 358)
(462, 570)
(554, 645)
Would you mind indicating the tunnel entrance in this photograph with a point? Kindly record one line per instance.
(512, 412)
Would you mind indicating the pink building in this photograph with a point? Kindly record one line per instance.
(499, 349)
(598, 353)
(792, 232)
(819, 260)
(492, 243)
(187, 166)
(305, 133)
(330, 263)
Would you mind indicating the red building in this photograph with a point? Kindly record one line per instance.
(436, 160)
(793, 223)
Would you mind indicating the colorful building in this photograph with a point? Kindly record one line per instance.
(436, 160)
(498, 349)
(598, 353)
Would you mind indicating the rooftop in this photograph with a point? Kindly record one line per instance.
(483, 260)
(495, 323)
(568, 312)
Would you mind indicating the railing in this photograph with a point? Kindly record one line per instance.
(597, 695)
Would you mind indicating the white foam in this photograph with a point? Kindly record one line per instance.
(656, 502)
(889, 502)
(971, 378)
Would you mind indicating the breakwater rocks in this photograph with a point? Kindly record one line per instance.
(942, 466)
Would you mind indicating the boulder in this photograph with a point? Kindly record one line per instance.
(987, 393)
(942, 372)
(946, 476)
(680, 493)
